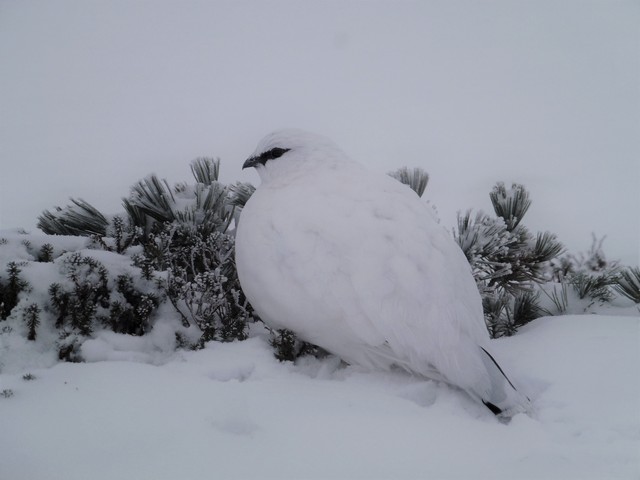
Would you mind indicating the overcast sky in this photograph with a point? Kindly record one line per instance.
(94, 95)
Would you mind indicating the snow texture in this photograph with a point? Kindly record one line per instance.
(232, 411)
(354, 262)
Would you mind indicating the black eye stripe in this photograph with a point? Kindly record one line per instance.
(265, 157)
(272, 154)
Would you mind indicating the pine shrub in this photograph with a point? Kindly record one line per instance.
(188, 235)
(31, 316)
(10, 291)
(206, 170)
(628, 283)
(46, 253)
(590, 274)
(203, 285)
(285, 345)
(526, 308)
(85, 296)
(187, 244)
(130, 310)
(506, 259)
(510, 204)
(121, 234)
(68, 346)
(595, 287)
(80, 218)
(416, 178)
(91, 297)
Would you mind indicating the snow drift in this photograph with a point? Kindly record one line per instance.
(233, 411)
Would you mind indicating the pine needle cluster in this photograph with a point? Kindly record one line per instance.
(592, 277)
(507, 260)
(629, 283)
(415, 178)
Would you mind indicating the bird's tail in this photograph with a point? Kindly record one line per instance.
(504, 399)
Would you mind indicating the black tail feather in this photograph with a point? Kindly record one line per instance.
(495, 410)
(499, 368)
(490, 405)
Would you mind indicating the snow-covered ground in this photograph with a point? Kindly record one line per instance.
(233, 411)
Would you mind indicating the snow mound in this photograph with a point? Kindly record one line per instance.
(233, 411)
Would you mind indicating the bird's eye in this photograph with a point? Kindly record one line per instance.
(273, 153)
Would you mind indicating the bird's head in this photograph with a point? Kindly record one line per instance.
(291, 150)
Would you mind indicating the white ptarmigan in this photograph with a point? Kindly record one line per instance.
(353, 261)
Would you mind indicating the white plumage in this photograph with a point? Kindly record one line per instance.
(354, 262)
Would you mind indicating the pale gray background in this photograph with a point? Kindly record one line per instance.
(94, 95)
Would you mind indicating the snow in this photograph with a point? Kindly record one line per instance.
(19, 245)
(233, 411)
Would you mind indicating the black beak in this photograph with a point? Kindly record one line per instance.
(252, 162)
